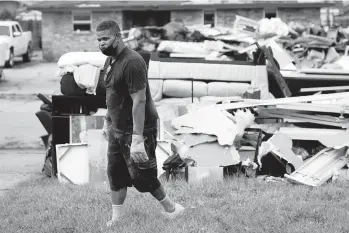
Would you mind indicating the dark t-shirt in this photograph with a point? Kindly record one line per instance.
(125, 76)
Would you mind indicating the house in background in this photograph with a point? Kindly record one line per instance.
(70, 25)
(9, 7)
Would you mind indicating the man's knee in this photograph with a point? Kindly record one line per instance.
(146, 180)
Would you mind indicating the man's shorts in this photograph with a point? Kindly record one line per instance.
(123, 172)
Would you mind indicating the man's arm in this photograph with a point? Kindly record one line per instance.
(138, 111)
(136, 80)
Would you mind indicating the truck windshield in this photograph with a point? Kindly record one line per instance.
(4, 31)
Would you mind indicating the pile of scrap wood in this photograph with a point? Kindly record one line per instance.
(307, 46)
(304, 140)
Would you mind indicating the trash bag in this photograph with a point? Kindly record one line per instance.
(69, 87)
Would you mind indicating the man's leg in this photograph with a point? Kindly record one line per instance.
(144, 176)
(118, 176)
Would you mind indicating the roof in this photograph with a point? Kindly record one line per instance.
(144, 4)
(103, 4)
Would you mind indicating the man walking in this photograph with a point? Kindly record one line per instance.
(133, 118)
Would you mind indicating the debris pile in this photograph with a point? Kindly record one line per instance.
(309, 46)
(303, 139)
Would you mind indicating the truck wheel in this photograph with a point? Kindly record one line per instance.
(27, 55)
(11, 61)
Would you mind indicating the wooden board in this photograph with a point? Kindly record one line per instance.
(320, 168)
(333, 108)
(248, 103)
(316, 89)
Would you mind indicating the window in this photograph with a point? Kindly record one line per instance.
(209, 18)
(4, 31)
(18, 28)
(82, 21)
(270, 13)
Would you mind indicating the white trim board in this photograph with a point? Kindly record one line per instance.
(254, 103)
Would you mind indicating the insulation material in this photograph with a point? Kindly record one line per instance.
(321, 167)
(281, 145)
(81, 58)
(156, 89)
(213, 121)
(72, 163)
(183, 88)
(223, 89)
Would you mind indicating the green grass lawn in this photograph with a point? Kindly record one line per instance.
(238, 205)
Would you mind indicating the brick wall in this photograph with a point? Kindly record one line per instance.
(59, 38)
(189, 17)
(226, 17)
(302, 15)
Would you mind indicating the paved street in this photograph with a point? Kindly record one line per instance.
(21, 150)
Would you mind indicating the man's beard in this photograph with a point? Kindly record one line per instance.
(111, 51)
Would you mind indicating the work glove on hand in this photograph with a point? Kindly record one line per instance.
(106, 128)
(137, 150)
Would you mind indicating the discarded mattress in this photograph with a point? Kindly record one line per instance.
(81, 58)
(183, 88)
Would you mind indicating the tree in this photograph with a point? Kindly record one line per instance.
(6, 15)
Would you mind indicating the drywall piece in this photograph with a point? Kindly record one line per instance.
(212, 120)
(195, 139)
(72, 163)
(281, 145)
(213, 155)
(97, 155)
(328, 137)
(321, 167)
(162, 152)
(197, 174)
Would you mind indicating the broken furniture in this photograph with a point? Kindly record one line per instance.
(65, 106)
(321, 167)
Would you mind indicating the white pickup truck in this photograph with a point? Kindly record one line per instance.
(16, 41)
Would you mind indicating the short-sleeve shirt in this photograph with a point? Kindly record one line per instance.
(125, 76)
